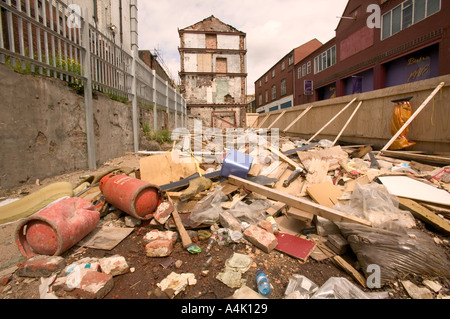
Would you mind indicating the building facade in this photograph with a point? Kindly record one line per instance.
(115, 19)
(406, 41)
(275, 89)
(213, 73)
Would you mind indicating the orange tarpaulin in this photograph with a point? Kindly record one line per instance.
(402, 113)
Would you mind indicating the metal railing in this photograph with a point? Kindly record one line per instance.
(50, 38)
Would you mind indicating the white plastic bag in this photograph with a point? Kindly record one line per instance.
(373, 202)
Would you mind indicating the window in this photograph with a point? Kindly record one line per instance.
(283, 66)
(267, 78)
(406, 14)
(325, 60)
(273, 73)
(274, 92)
(291, 60)
(283, 87)
(260, 100)
(299, 72)
(304, 69)
(308, 67)
(267, 96)
(260, 83)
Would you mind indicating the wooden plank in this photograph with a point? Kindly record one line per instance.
(166, 168)
(300, 215)
(350, 270)
(276, 120)
(418, 157)
(264, 121)
(236, 199)
(275, 151)
(347, 124)
(300, 203)
(420, 109)
(275, 208)
(425, 214)
(331, 121)
(297, 119)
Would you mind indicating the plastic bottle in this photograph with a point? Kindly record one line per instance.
(211, 242)
(263, 284)
(271, 220)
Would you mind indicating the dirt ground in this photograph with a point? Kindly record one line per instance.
(141, 284)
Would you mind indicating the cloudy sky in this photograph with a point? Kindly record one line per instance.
(273, 27)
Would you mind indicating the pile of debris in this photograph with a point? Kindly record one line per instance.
(304, 200)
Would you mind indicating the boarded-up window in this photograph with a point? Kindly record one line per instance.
(221, 65)
(211, 41)
(204, 62)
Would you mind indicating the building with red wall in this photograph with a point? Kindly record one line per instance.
(275, 89)
(410, 43)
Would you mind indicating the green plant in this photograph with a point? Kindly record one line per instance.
(161, 136)
(146, 129)
(117, 98)
(146, 106)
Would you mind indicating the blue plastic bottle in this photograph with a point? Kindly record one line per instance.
(263, 284)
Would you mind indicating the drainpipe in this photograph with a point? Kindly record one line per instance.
(121, 22)
(96, 13)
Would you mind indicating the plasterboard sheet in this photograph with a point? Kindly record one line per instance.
(403, 186)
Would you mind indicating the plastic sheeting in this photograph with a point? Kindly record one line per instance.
(374, 203)
(397, 253)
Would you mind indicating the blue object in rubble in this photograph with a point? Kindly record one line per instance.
(237, 164)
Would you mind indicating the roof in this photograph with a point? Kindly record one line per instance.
(211, 24)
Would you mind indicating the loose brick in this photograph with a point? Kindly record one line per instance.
(261, 238)
(114, 266)
(159, 248)
(84, 284)
(41, 266)
(266, 225)
(163, 212)
(227, 220)
(160, 235)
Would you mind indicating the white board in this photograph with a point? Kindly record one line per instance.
(403, 186)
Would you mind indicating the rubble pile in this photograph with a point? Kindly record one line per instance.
(377, 217)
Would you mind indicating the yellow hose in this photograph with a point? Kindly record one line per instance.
(34, 202)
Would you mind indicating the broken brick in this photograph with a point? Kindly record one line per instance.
(41, 266)
(159, 248)
(163, 212)
(114, 266)
(261, 238)
(266, 225)
(227, 220)
(90, 284)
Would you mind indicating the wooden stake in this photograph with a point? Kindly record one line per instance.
(424, 104)
(298, 119)
(297, 202)
(347, 124)
(331, 121)
(264, 121)
(277, 119)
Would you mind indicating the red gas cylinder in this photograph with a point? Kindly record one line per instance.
(56, 228)
(135, 197)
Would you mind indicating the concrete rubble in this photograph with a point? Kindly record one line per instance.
(340, 203)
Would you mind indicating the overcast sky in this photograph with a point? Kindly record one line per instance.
(273, 27)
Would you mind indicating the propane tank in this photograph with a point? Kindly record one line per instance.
(56, 228)
(135, 197)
